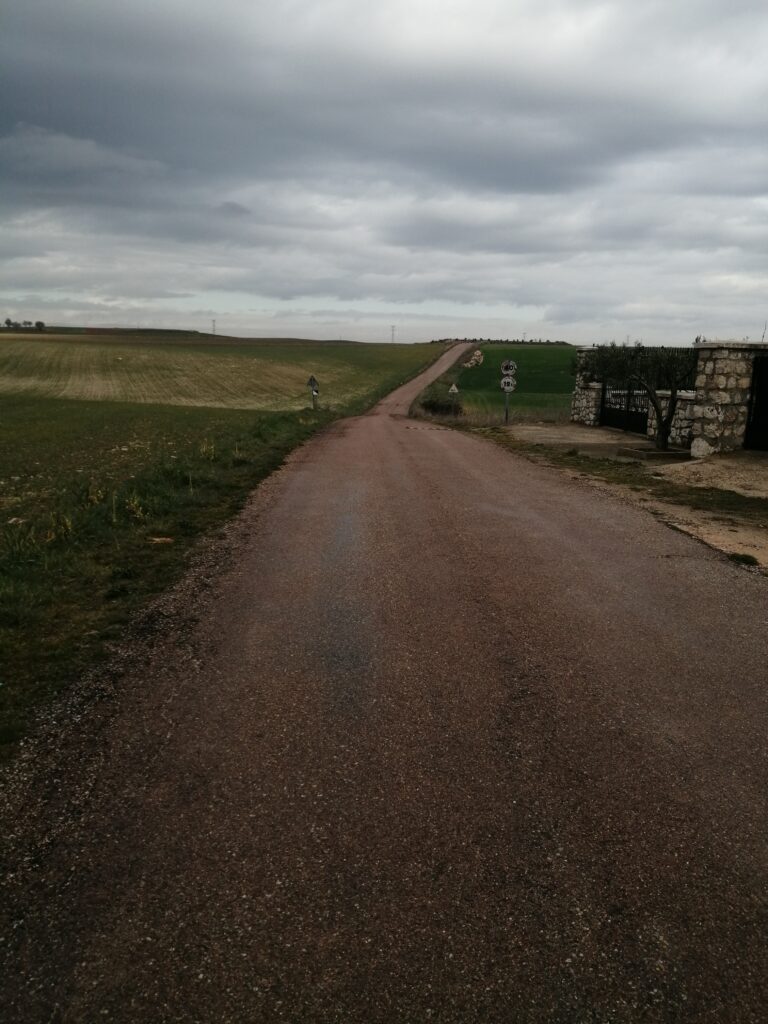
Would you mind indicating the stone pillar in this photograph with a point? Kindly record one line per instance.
(585, 404)
(723, 383)
(586, 400)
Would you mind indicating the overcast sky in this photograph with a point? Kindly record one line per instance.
(326, 168)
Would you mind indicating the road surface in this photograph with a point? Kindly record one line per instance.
(436, 734)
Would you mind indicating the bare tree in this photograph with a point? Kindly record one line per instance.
(653, 369)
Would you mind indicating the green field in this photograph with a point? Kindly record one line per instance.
(545, 383)
(101, 497)
(238, 375)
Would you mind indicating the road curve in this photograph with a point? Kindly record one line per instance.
(449, 737)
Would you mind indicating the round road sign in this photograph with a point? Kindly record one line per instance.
(509, 366)
(508, 383)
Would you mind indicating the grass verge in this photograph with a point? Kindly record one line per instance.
(82, 547)
(100, 503)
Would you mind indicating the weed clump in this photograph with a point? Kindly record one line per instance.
(742, 558)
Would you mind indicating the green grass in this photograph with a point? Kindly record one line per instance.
(545, 384)
(238, 375)
(101, 501)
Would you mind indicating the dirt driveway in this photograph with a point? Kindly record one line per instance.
(743, 472)
(432, 733)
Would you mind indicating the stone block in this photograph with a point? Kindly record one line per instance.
(730, 442)
(700, 448)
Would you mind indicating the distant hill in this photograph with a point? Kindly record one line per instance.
(154, 336)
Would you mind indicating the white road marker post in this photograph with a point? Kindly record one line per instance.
(315, 389)
(453, 391)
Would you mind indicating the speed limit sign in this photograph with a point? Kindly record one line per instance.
(509, 367)
(508, 384)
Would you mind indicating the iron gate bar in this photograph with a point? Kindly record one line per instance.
(624, 407)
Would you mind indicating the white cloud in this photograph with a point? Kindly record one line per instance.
(591, 166)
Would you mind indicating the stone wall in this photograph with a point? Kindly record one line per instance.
(714, 417)
(681, 434)
(723, 383)
(585, 404)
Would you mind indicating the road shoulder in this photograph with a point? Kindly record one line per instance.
(711, 506)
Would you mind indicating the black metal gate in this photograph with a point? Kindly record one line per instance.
(624, 407)
(757, 423)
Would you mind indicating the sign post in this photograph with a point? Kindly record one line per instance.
(315, 389)
(453, 391)
(508, 385)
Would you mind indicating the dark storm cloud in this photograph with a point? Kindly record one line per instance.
(578, 161)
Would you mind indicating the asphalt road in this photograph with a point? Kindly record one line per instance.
(435, 734)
